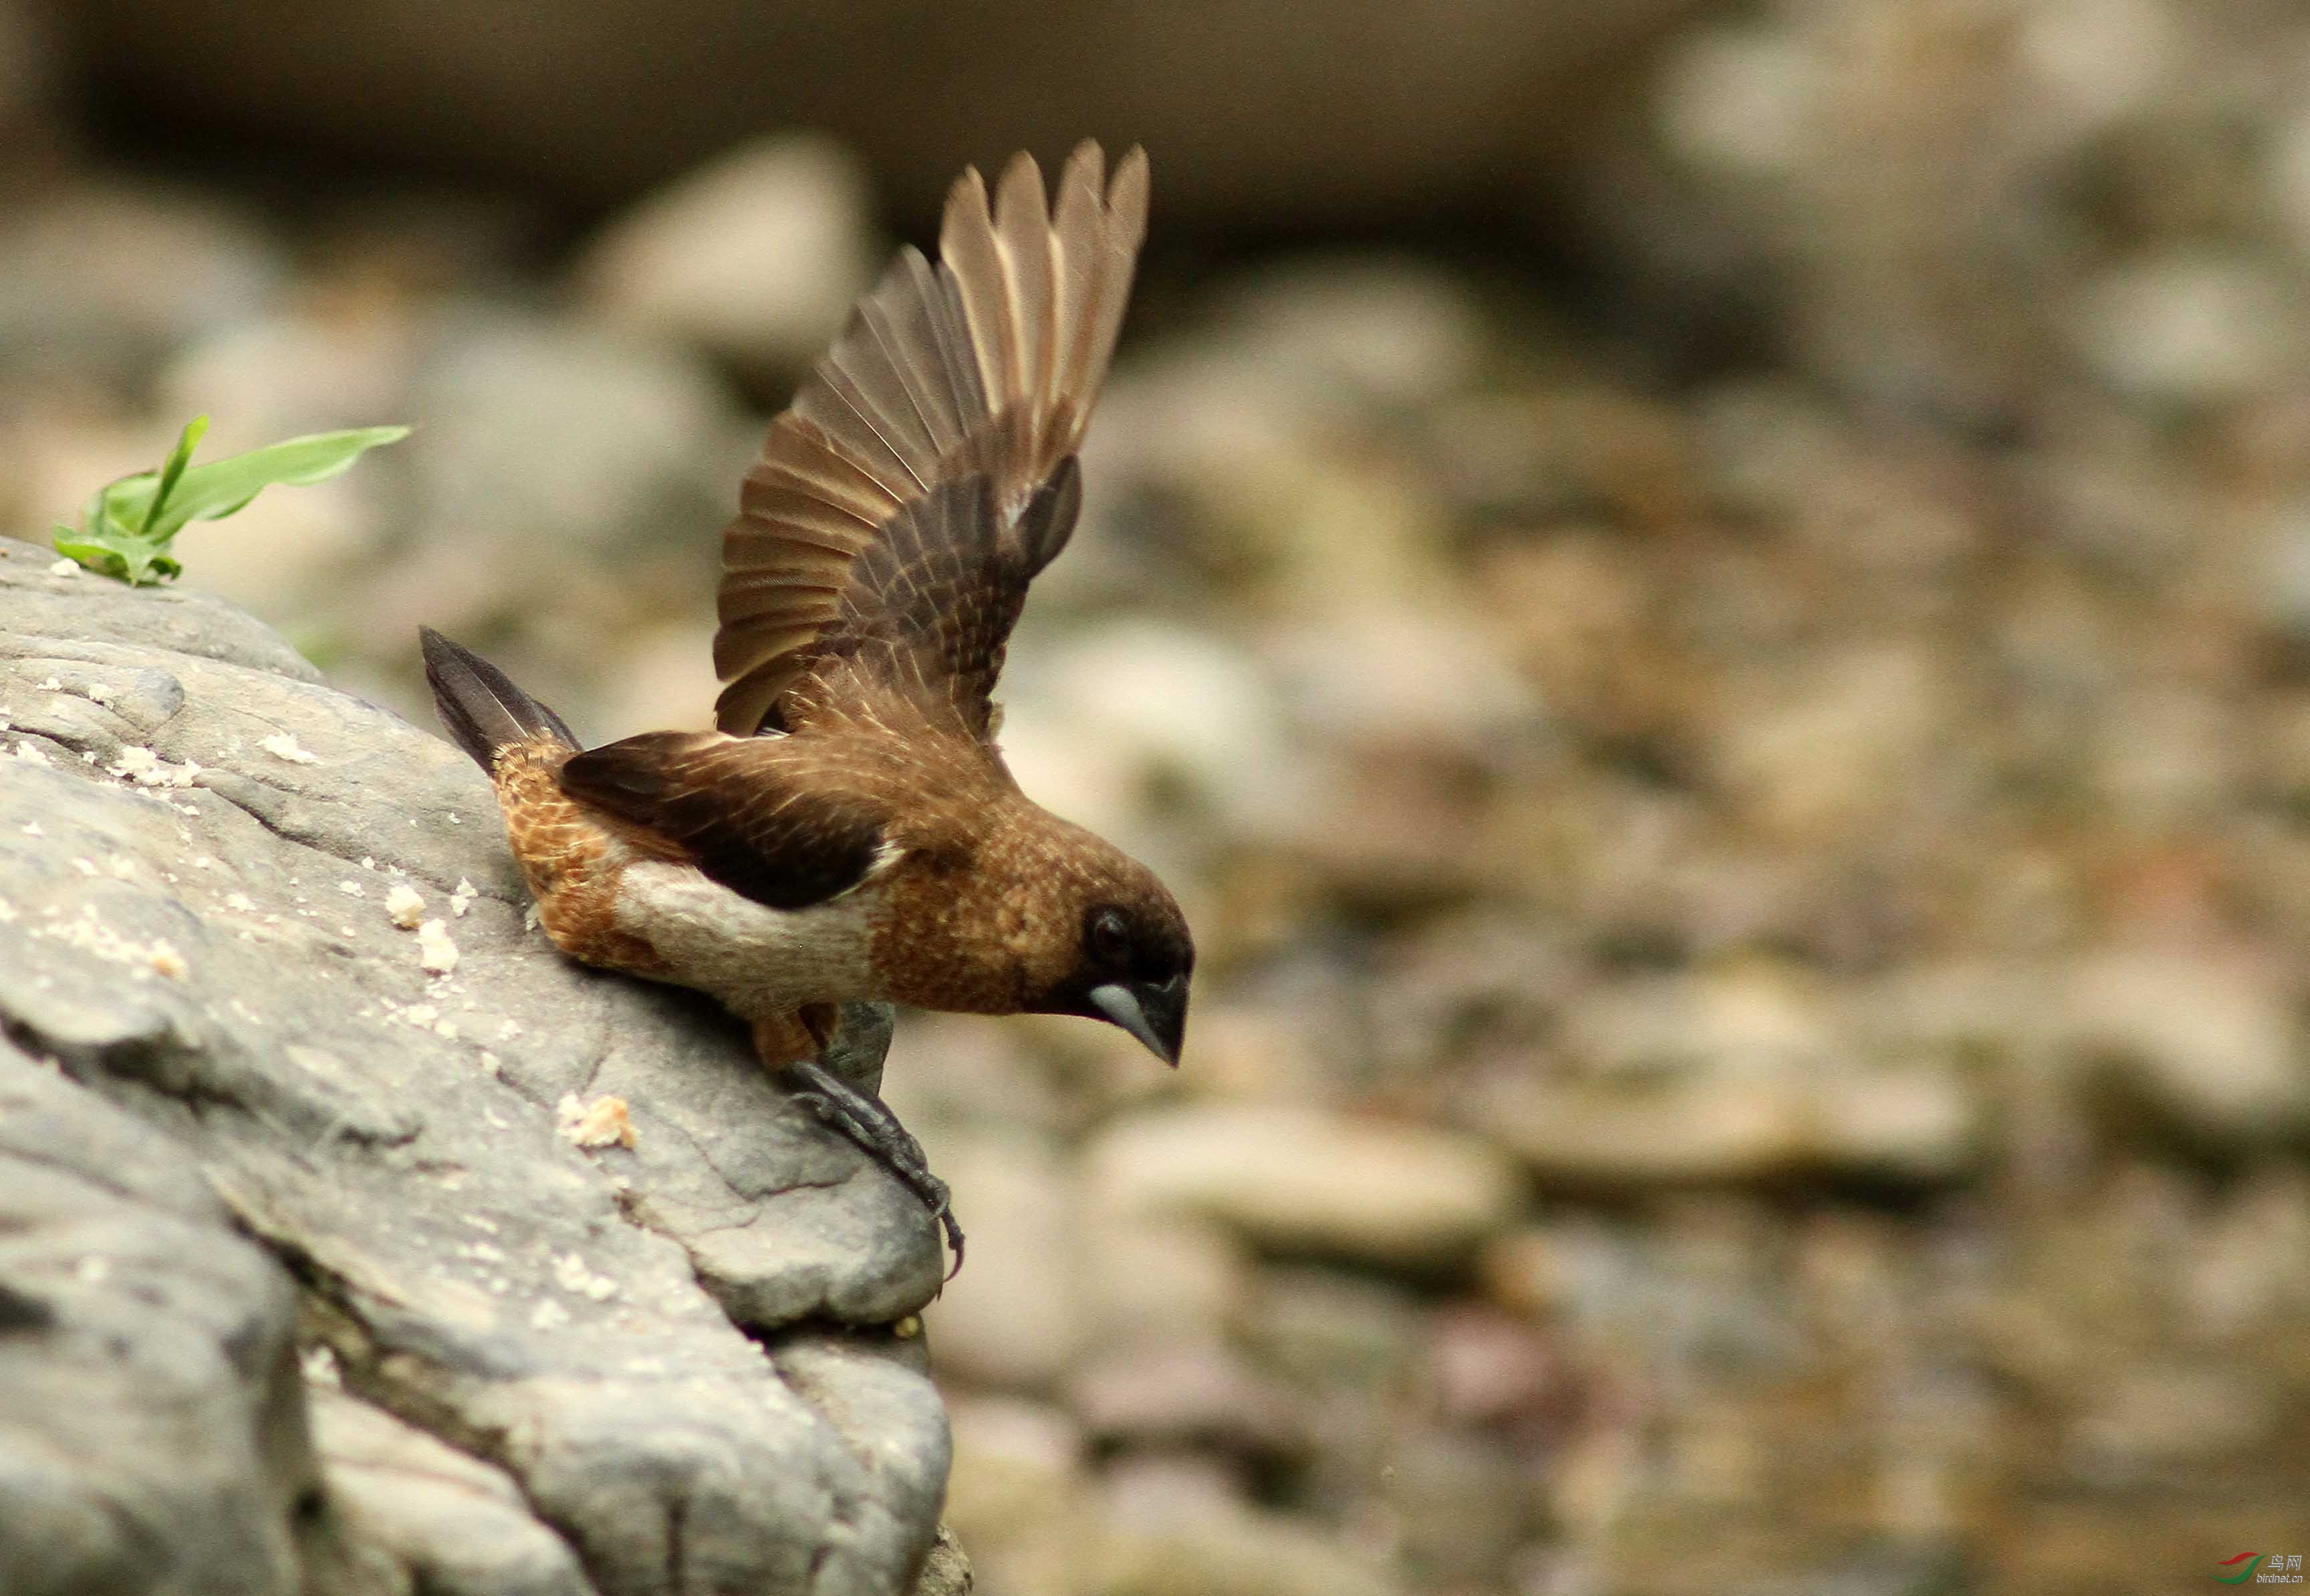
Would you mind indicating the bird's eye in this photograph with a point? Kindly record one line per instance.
(1109, 937)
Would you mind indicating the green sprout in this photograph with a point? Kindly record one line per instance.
(127, 528)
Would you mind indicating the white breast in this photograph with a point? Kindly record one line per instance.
(757, 960)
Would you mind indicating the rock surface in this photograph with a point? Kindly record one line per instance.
(674, 1362)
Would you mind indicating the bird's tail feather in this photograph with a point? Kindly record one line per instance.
(480, 704)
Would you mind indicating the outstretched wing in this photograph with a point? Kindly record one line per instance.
(924, 472)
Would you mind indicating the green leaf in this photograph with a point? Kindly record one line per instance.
(212, 491)
(128, 526)
(179, 457)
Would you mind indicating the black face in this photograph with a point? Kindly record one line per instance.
(1133, 974)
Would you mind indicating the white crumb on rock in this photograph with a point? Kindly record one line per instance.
(282, 745)
(603, 1122)
(239, 902)
(30, 752)
(404, 906)
(570, 1272)
(64, 568)
(167, 961)
(437, 952)
(352, 889)
(462, 898)
(149, 769)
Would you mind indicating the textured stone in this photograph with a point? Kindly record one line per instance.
(150, 1434)
(647, 1341)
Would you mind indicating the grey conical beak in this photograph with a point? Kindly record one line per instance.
(1157, 1014)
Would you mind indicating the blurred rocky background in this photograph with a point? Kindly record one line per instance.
(1710, 606)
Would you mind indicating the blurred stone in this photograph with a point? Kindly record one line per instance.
(1336, 1332)
(1391, 332)
(2214, 1044)
(1124, 719)
(1184, 1392)
(1463, 1503)
(1014, 1495)
(1390, 675)
(340, 362)
(2102, 59)
(287, 558)
(1298, 1178)
(104, 283)
(1485, 1367)
(566, 439)
(1909, 1124)
(1159, 1275)
(1837, 741)
(754, 257)
(2192, 327)
(1170, 1535)
(33, 143)
(664, 679)
(1738, 98)
(2144, 1421)
(1014, 1317)
(1567, 451)
(1380, 111)
(2289, 177)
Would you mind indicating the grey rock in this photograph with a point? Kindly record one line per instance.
(449, 1521)
(150, 1434)
(946, 1572)
(196, 839)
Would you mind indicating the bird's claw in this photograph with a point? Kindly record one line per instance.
(869, 1124)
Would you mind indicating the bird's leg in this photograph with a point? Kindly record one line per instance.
(792, 1048)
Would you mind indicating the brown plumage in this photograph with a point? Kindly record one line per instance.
(851, 831)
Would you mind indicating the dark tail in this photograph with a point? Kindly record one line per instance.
(481, 707)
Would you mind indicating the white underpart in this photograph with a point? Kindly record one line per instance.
(758, 961)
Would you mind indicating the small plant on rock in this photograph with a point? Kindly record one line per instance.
(128, 524)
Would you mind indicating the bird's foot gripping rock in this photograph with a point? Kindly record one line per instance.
(866, 1120)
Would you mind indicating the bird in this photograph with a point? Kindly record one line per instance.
(849, 829)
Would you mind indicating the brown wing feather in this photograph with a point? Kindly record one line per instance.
(755, 814)
(981, 368)
(931, 605)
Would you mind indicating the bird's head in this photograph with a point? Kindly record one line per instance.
(1117, 947)
(1041, 916)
